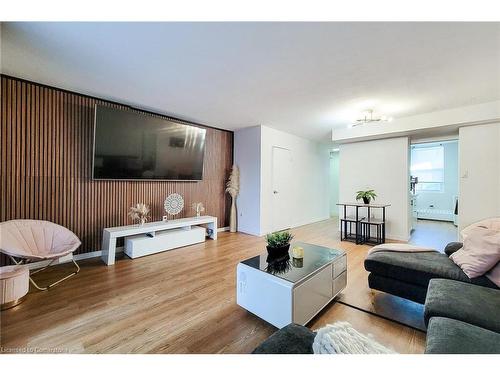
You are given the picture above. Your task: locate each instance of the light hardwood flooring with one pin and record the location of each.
(180, 301)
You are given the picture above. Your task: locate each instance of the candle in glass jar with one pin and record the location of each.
(298, 252)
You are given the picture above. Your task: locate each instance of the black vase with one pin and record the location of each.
(277, 251)
(366, 200)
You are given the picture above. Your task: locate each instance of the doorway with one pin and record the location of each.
(334, 182)
(434, 193)
(282, 180)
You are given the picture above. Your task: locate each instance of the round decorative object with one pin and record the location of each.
(174, 204)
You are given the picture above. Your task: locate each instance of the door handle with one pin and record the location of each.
(275, 192)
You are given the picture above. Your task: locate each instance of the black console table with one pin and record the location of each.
(363, 224)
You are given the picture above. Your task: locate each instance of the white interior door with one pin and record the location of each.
(282, 170)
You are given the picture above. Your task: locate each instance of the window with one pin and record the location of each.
(427, 163)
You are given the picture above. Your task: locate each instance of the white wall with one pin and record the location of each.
(334, 183)
(247, 157)
(253, 155)
(443, 200)
(479, 164)
(381, 165)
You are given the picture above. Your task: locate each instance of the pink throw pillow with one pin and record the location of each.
(480, 253)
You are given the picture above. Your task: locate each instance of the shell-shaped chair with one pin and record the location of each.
(37, 240)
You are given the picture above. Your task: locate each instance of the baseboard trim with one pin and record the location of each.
(89, 255)
(309, 222)
(295, 225)
(397, 238)
(68, 258)
(249, 233)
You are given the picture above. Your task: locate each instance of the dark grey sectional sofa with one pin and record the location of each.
(460, 318)
(292, 339)
(407, 275)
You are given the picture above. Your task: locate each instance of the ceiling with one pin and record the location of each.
(304, 78)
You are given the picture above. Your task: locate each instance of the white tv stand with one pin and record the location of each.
(111, 234)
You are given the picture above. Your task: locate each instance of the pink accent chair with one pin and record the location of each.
(27, 241)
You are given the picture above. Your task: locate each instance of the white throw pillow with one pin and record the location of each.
(480, 253)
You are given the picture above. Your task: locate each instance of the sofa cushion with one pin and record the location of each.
(449, 336)
(292, 339)
(419, 268)
(468, 303)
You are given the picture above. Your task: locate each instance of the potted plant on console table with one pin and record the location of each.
(278, 243)
(367, 196)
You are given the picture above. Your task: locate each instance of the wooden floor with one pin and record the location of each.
(180, 301)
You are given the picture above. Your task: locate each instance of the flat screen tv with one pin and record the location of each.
(132, 146)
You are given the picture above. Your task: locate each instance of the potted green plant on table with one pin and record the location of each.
(366, 196)
(278, 243)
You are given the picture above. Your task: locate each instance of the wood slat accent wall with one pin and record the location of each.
(46, 168)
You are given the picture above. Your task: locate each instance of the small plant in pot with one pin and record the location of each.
(367, 196)
(278, 243)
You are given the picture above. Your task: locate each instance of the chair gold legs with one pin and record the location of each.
(58, 281)
(44, 268)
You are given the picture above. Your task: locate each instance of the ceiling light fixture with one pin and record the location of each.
(369, 118)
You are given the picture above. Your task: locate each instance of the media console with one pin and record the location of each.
(157, 236)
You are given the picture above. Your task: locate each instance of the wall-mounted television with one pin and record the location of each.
(129, 145)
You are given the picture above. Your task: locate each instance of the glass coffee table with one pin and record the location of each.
(286, 290)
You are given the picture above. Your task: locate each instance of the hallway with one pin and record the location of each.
(434, 234)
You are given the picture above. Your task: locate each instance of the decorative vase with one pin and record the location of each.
(277, 251)
(233, 216)
(233, 188)
(198, 208)
(366, 200)
(143, 220)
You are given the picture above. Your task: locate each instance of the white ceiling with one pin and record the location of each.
(304, 78)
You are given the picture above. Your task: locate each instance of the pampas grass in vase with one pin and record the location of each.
(198, 208)
(233, 189)
(139, 212)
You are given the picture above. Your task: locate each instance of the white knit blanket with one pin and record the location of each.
(341, 338)
(401, 248)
